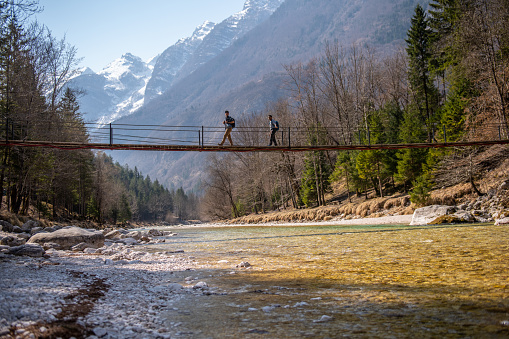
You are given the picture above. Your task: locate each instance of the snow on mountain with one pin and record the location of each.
(116, 91)
(227, 32)
(173, 58)
(128, 83)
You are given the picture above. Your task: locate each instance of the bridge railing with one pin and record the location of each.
(289, 136)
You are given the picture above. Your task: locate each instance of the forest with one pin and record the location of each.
(448, 82)
(35, 101)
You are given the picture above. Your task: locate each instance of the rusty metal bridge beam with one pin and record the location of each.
(203, 148)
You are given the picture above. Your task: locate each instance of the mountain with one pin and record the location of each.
(237, 64)
(128, 83)
(116, 91)
(171, 61)
(250, 72)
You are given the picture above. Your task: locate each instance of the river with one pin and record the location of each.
(343, 281)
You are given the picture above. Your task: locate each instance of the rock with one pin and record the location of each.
(128, 241)
(244, 264)
(51, 245)
(134, 234)
(16, 229)
(155, 233)
(36, 230)
(31, 250)
(174, 287)
(79, 247)
(68, 237)
(27, 227)
(6, 226)
(113, 235)
(425, 215)
(89, 250)
(504, 221)
(100, 332)
(460, 217)
(200, 285)
(301, 304)
(504, 185)
(323, 319)
(10, 239)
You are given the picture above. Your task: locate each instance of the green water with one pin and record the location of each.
(342, 281)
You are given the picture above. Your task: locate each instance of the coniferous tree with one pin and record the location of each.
(419, 50)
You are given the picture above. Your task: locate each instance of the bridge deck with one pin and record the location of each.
(206, 148)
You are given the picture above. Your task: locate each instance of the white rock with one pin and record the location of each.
(425, 215)
(201, 285)
(300, 304)
(504, 221)
(323, 319)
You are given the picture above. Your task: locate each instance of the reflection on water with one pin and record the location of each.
(334, 281)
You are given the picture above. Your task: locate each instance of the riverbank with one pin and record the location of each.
(424, 281)
(383, 220)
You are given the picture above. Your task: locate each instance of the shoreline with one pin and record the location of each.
(376, 221)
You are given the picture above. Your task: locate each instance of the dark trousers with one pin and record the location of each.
(273, 137)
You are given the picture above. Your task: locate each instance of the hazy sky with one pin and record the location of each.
(104, 30)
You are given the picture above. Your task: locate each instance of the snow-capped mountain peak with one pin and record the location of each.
(128, 82)
(128, 63)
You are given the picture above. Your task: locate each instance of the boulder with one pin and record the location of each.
(128, 241)
(31, 250)
(113, 235)
(6, 226)
(16, 229)
(27, 227)
(36, 230)
(134, 234)
(425, 215)
(69, 237)
(460, 217)
(155, 233)
(79, 247)
(504, 221)
(10, 239)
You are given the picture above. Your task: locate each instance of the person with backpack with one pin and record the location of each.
(229, 124)
(274, 127)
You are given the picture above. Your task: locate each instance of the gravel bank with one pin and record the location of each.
(119, 293)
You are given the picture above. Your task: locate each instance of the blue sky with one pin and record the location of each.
(104, 30)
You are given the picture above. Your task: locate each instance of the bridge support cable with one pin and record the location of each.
(246, 139)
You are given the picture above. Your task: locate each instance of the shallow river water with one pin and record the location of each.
(343, 281)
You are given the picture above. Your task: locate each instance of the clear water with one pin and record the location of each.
(343, 281)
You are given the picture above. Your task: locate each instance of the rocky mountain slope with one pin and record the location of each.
(250, 72)
(128, 83)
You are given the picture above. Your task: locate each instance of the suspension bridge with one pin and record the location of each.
(246, 139)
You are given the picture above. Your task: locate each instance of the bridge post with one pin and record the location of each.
(199, 138)
(289, 139)
(499, 132)
(202, 137)
(111, 135)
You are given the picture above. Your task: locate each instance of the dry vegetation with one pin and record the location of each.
(492, 168)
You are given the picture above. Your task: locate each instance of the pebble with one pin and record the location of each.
(323, 319)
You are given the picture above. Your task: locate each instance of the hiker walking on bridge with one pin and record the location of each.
(229, 124)
(274, 127)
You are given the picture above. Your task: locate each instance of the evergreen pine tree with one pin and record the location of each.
(419, 50)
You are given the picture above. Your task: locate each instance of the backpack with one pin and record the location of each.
(230, 121)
